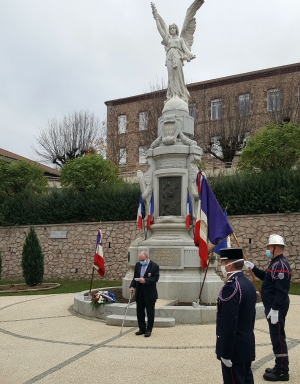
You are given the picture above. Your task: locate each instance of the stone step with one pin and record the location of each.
(131, 321)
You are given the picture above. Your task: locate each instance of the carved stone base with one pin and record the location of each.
(176, 104)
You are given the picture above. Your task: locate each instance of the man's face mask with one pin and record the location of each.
(223, 267)
(143, 262)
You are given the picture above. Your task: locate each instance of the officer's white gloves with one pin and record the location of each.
(274, 316)
(227, 362)
(248, 264)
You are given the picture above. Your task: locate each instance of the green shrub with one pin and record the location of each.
(258, 192)
(32, 259)
(108, 203)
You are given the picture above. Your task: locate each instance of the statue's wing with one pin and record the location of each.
(189, 24)
(160, 19)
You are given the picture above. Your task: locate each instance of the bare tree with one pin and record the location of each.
(151, 107)
(229, 127)
(75, 135)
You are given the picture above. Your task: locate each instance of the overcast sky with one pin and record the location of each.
(59, 56)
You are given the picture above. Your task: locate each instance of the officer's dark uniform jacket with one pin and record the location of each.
(276, 284)
(235, 320)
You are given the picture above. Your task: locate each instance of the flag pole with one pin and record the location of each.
(245, 258)
(144, 228)
(202, 285)
(92, 280)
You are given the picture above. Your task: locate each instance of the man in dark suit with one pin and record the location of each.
(235, 320)
(146, 275)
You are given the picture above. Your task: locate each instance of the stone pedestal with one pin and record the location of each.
(173, 160)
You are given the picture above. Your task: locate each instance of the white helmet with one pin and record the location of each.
(276, 240)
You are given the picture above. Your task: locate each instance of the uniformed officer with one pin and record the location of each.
(235, 320)
(275, 287)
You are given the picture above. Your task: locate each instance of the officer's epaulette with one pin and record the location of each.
(230, 280)
(237, 288)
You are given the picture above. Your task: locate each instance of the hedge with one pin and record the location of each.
(109, 203)
(248, 193)
(244, 193)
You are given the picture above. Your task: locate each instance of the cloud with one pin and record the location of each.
(59, 56)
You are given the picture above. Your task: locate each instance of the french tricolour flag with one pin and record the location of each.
(212, 225)
(150, 218)
(189, 211)
(139, 218)
(224, 243)
(98, 257)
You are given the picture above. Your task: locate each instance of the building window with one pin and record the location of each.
(216, 146)
(142, 154)
(122, 121)
(216, 109)
(273, 100)
(143, 121)
(122, 157)
(244, 104)
(192, 110)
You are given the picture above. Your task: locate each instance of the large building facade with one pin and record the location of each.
(226, 110)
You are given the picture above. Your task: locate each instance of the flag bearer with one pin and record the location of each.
(275, 288)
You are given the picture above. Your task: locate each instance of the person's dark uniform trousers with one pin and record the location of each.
(235, 320)
(275, 287)
(146, 275)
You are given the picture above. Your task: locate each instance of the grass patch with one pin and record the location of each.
(295, 289)
(66, 286)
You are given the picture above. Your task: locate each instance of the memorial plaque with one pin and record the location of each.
(58, 234)
(170, 196)
(169, 129)
(170, 257)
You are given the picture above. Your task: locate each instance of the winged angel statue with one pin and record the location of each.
(178, 49)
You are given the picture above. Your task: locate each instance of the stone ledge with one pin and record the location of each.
(131, 321)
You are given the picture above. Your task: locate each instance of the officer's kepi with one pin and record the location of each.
(231, 253)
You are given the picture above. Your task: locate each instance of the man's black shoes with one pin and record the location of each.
(269, 370)
(274, 376)
(147, 334)
(139, 332)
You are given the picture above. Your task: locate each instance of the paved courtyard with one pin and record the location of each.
(43, 341)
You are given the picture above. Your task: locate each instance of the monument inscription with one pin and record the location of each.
(170, 257)
(169, 129)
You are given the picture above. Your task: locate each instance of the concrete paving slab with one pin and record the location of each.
(42, 341)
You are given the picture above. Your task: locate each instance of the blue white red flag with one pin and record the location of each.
(189, 211)
(139, 218)
(98, 257)
(211, 225)
(150, 218)
(224, 243)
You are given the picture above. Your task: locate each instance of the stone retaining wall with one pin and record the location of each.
(72, 257)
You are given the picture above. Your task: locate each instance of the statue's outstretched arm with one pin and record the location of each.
(161, 25)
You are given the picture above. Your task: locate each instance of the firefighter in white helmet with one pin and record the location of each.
(274, 291)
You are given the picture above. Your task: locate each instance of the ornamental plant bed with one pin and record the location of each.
(14, 288)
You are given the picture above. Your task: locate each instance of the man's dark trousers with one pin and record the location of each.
(277, 335)
(140, 311)
(237, 374)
